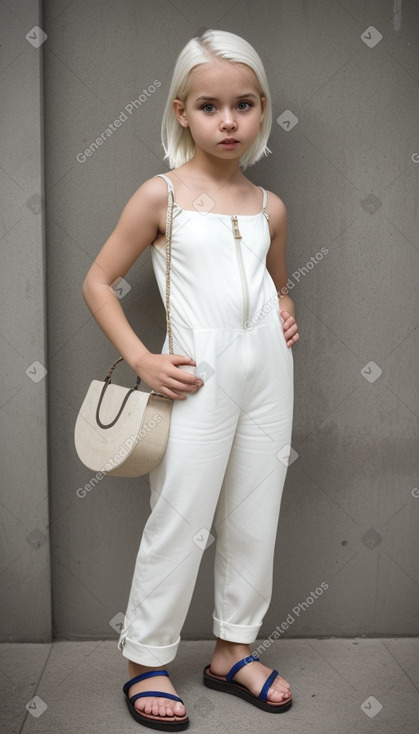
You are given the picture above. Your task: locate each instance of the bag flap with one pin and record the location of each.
(100, 447)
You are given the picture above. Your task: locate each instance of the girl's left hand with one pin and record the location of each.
(290, 328)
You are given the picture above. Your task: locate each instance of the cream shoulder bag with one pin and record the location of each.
(123, 431)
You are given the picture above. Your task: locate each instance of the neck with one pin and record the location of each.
(204, 166)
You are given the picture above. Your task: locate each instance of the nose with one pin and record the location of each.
(227, 121)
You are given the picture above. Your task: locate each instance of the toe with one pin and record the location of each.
(143, 705)
(279, 691)
(276, 696)
(179, 709)
(281, 685)
(160, 707)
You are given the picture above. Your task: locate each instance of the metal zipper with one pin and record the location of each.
(238, 237)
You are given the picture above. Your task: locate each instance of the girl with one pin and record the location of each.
(231, 377)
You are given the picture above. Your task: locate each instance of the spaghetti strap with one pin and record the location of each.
(168, 181)
(264, 202)
(265, 197)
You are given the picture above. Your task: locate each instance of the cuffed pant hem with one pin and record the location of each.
(235, 632)
(148, 655)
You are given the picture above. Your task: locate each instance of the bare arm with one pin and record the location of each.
(276, 265)
(137, 228)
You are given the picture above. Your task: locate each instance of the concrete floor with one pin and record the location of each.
(344, 686)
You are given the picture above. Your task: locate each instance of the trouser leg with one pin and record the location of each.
(248, 509)
(184, 492)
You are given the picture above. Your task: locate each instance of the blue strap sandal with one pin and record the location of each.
(226, 684)
(163, 723)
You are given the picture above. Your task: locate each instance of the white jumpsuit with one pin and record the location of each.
(225, 463)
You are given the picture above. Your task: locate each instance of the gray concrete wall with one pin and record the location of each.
(25, 599)
(347, 171)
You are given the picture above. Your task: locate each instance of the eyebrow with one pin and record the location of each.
(215, 99)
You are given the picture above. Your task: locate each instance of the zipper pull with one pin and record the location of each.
(236, 230)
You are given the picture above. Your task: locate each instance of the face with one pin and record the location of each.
(224, 108)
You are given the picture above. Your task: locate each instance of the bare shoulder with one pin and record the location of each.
(152, 193)
(147, 206)
(277, 215)
(276, 209)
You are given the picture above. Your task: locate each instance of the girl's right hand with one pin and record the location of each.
(162, 373)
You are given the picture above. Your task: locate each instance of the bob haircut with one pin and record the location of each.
(177, 141)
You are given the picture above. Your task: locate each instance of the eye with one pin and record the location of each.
(208, 107)
(245, 103)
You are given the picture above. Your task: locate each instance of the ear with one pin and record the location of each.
(180, 112)
(263, 104)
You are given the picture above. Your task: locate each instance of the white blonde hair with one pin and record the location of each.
(177, 141)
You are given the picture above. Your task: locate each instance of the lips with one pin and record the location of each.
(228, 140)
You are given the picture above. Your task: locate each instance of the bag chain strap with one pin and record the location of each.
(169, 222)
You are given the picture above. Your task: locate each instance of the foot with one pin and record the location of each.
(253, 676)
(152, 704)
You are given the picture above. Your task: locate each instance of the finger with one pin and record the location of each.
(291, 330)
(292, 341)
(289, 323)
(190, 380)
(290, 319)
(181, 359)
(172, 383)
(171, 394)
(177, 395)
(186, 374)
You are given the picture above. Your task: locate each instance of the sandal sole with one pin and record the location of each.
(160, 724)
(237, 689)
